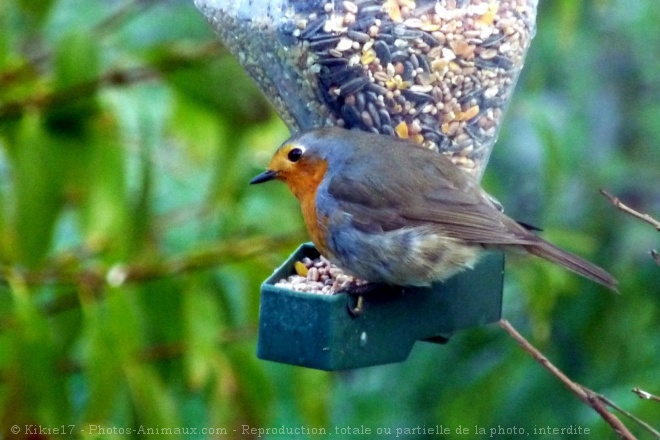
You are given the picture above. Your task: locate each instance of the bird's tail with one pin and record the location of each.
(552, 253)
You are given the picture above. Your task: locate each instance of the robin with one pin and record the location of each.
(392, 212)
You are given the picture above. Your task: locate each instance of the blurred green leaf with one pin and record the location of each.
(104, 211)
(215, 84)
(33, 366)
(253, 389)
(123, 323)
(568, 17)
(203, 328)
(154, 406)
(77, 66)
(199, 128)
(35, 11)
(102, 366)
(38, 178)
(6, 38)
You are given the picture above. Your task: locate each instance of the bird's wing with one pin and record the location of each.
(421, 189)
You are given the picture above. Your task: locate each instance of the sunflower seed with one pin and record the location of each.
(314, 27)
(399, 56)
(408, 71)
(339, 74)
(493, 40)
(370, 10)
(377, 89)
(323, 42)
(351, 116)
(373, 113)
(353, 85)
(360, 101)
(383, 52)
(360, 37)
(387, 129)
(416, 97)
(429, 39)
(384, 117)
(332, 62)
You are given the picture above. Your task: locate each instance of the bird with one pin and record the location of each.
(392, 212)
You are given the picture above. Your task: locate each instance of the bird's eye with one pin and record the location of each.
(295, 154)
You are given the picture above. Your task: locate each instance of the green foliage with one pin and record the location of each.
(132, 249)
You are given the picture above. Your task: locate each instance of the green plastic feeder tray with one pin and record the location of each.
(319, 331)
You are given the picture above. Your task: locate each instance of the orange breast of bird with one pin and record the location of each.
(304, 184)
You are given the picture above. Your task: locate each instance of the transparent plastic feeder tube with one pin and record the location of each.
(437, 72)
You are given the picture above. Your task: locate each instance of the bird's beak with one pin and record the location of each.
(264, 177)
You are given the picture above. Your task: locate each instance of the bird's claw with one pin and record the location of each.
(364, 290)
(358, 309)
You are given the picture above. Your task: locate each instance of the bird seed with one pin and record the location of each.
(447, 66)
(318, 276)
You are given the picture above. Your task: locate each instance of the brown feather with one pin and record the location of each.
(428, 189)
(411, 187)
(552, 253)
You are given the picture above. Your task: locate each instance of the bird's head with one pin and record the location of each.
(302, 161)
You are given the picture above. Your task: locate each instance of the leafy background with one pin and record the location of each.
(131, 248)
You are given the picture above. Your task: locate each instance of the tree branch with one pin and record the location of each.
(645, 395)
(122, 14)
(88, 284)
(622, 207)
(630, 415)
(120, 77)
(110, 23)
(587, 396)
(226, 252)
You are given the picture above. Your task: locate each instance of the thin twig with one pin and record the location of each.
(621, 206)
(22, 71)
(88, 284)
(585, 394)
(645, 395)
(105, 26)
(631, 416)
(229, 251)
(121, 77)
(122, 14)
(78, 91)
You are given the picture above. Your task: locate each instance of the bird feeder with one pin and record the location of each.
(321, 331)
(439, 73)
